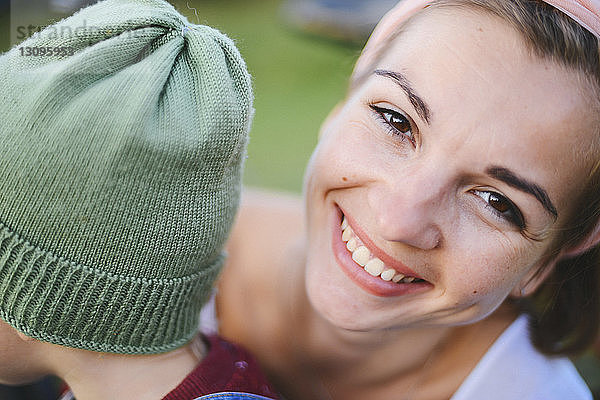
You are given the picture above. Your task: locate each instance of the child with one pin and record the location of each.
(123, 136)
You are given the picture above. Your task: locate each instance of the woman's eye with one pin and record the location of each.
(396, 122)
(502, 207)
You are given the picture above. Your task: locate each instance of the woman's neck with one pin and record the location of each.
(362, 357)
(336, 359)
(347, 364)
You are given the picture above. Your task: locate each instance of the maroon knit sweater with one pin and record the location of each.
(226, 368)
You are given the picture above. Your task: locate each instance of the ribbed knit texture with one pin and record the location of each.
(120, 173)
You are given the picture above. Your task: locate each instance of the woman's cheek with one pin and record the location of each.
(343, 156)
(489, 277)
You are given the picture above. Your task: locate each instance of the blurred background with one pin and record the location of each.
(299, 60)
(300, 54)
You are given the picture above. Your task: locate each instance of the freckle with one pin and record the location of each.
(344, 179)
(480, 29)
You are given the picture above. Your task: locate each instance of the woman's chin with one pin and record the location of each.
(342, 304)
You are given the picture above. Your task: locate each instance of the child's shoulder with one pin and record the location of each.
(227, 367)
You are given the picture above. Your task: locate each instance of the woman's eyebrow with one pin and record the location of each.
(510, 178)
(417, 102)
(503, 174)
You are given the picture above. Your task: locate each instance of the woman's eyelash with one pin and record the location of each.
(395, 122)
(502, 207)
(399, 125)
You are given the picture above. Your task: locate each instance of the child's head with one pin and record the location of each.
(123, 136)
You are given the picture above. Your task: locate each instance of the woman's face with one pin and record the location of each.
(453, 163)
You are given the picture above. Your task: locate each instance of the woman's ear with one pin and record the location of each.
(533, 279)
(590, 241)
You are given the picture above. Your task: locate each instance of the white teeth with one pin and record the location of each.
(388, 274)
(361, 256)
(352, 245)
(375, 267)
(347, 234)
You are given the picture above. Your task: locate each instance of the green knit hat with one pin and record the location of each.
(120, 174)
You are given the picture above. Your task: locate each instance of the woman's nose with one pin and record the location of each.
(408, 209)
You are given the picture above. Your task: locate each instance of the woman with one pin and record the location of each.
(451, 209)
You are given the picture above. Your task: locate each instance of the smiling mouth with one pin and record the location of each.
(363, 258)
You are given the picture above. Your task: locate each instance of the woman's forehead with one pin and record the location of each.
(452, 32)
(479, 77)
(485, 63)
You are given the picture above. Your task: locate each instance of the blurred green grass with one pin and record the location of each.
(297, 80)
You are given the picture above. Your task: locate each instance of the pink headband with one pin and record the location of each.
(585, 12)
